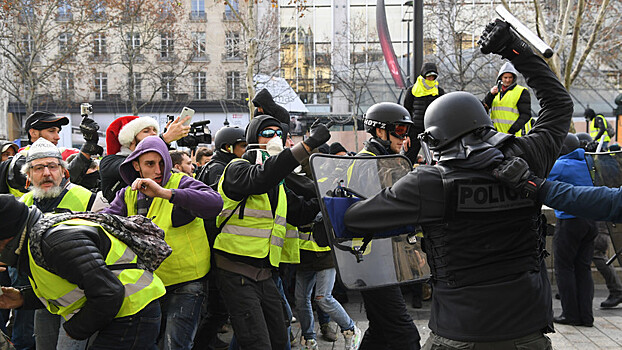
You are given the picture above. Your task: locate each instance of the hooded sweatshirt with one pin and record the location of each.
(571, 168)
(192, 198)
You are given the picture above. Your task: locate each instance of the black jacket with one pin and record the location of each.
(210, 173)
(417, 107)
(242, 179)
(77, 254)
(523, 105)
(112, 181)
(417, 199)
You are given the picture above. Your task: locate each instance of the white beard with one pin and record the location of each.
(53, 192)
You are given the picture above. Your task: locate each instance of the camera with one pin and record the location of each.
(199, 133)
(86, 109)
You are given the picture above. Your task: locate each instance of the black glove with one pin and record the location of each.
(89, 128)
(92, 148)
(500, 39)
(591, 146)
(319, 135)
(515, 173)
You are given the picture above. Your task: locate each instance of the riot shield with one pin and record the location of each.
(391, 257)
(606, 170)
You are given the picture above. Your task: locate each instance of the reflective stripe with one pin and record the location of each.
(305, 236)
(247, 231)
(69, 298)
(143, 282)
(127, 257)
(291, 234)
(506, 109)
(256, 213)
(279, 220)
(503, 121)
(277, 241)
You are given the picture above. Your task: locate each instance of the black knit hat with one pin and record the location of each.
(336, 147)
(14, 215)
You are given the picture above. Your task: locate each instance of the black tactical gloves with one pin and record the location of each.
(319, 135)
(500, 39)
(89, 128)
(515, 173)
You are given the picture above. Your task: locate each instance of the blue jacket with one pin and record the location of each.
(571, 168)
(596, 203)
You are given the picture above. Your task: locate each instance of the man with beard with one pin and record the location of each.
(51, 191)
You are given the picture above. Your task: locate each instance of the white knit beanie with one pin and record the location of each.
(131, 129)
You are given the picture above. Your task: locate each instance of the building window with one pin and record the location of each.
(99, 45)
(66, 84)
(101, 86)
(64, 11)
(28, 44)
(133, 41)
(198, 9)
(99, 10)
(233, 86)
(168, 86)
(200, 85)
(134, 84)
(64, 43)
(166, 45)
(229, 14)
(232, 45)
(198, 44)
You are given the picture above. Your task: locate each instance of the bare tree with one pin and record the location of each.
(461, 64)
(40, 39)
(573, 29)
(354, 66)
(153, 48)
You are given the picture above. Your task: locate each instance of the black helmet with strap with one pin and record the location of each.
(229, 135)
(386, 115)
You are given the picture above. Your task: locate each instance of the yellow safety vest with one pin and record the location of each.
(504, 111)
(307, 242)
(257, 234)
(594, 130)
(75, 199)
(190, 259)
(64, 298)
(424, 87)
(291, 245)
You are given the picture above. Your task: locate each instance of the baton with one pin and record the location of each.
(524, 32)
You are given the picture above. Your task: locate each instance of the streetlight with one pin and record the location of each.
(408, 17)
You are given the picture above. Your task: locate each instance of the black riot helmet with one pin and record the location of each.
(387, 115)
(452, 116)
(583, 136)
(571, 142)
(229, 135)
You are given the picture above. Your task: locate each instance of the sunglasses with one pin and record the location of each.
(400, 130)
(269, 133)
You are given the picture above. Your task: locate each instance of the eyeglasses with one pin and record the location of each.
(269, 133)
(38, 169)
(401, 130)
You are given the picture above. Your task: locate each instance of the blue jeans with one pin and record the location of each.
(139, 331)
(181, 312)
(323, 281)
(22, 335)
(50, 334)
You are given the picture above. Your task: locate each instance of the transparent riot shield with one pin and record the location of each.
(391, 257)
(606, 170)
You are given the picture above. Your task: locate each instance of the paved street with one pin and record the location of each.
(606, 333)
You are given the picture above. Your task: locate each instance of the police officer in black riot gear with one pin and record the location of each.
(390, 325)
(484, 242)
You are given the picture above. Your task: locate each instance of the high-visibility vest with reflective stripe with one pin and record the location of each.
(190, 259)
(424, 87)
(291, 245)
(75, 199)
(64, 298)
(351, 167)
(504, 111)
(307, 242)
(257, 234)
(525, 129)
(594, 130)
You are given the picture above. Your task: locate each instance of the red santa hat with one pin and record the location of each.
(122, 131)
